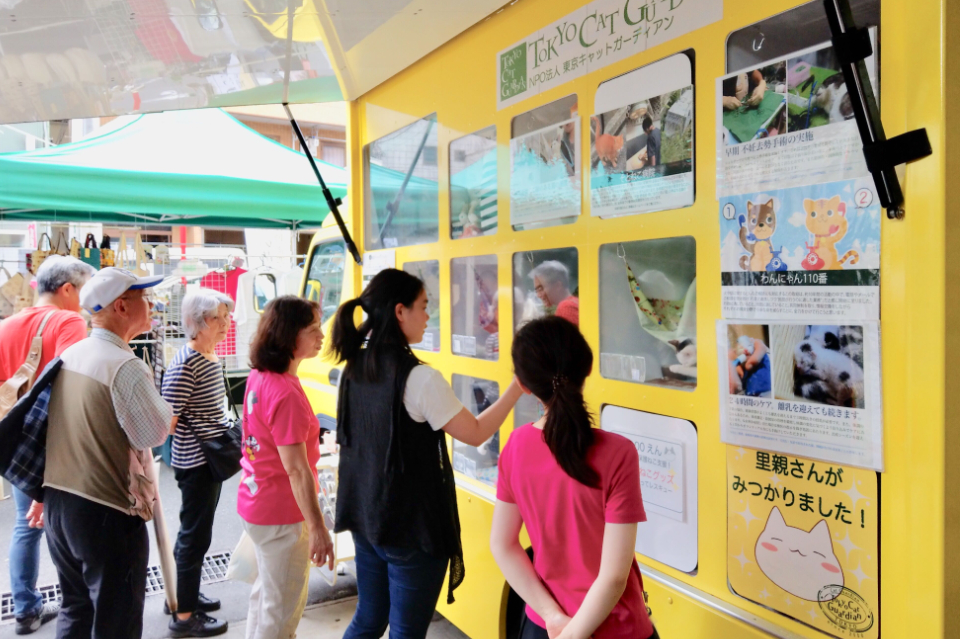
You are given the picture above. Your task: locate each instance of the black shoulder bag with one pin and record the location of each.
(223, 452)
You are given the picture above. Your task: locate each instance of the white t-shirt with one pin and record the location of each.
(429, 398)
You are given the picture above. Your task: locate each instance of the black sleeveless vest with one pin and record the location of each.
(396, 485)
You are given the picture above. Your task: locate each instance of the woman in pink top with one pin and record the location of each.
(277, 498)
(577, 489)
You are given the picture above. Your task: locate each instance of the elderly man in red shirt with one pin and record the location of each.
(59, 281)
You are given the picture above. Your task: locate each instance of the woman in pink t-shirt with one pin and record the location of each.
(577, 489)
(277, 498)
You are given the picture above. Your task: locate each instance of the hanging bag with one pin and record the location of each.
(6, 304)
(10, 290)
(14, 388)
(38, 256)
(90, 254)
(107, 255)
(74, 248)
(27, 296)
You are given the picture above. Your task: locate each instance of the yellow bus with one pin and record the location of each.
(655, 170)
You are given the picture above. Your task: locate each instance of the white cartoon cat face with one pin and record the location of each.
(800, 562)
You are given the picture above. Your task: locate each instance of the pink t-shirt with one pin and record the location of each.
(276, 413)
(565, 521)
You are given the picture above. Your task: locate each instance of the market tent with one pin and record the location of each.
(202, 168)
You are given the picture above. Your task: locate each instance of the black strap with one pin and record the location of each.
(898, 150)
(853, 46)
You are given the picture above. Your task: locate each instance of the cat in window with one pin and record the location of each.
(801, 562)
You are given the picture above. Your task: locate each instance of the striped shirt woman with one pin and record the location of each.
(193, 386)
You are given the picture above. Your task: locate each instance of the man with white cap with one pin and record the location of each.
(104, 416)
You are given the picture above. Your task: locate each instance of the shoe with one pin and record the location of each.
(29, 625)
(204, 603)
(199, 624)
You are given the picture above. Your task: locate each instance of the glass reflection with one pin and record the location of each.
(140, 56)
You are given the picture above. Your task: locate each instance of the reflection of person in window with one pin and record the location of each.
(489, 315)
(737, 88)
(551, 281)
(653, 141)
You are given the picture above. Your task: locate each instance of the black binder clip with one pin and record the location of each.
(852, 46)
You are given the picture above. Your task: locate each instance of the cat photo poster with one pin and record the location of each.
(641, 140)
(788, 122)
(803, 540)
(810, 251)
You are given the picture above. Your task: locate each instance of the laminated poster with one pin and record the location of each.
(803, 540)
(642, 142)
(809, 251)
(811, 390)
(788, 123)
(545, 174)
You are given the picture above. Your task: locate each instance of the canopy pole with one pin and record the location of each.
(332, 202)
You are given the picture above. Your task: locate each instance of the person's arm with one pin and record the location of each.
(515, 565)
(142, 412)
(179, 383)
(616, 560)
(474, 431)
(303, 483)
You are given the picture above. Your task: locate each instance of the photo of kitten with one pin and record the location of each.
(820, 363)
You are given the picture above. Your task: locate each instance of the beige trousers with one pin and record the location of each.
(279, 594)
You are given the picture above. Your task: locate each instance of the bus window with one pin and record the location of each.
(429, 272)
(325, 277)
(545, 166)
(546, 283)
(475, 312)
(648, 312)
(478, 462)
(401, 199)
(473, 184)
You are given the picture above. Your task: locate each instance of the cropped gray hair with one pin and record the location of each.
(58, 270)
(552, 272)
(198, 306)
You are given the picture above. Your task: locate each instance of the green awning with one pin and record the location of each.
(200, 168)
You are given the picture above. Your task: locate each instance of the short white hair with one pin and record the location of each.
(199, 306)
(552, 272)
(58, 270)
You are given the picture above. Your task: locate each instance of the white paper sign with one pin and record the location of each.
(590, 38)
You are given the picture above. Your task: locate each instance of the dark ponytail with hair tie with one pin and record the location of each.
(553, 360)
(381, 330)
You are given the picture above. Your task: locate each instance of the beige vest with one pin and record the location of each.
(88, 453)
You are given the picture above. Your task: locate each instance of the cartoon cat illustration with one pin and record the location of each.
(756, 229)
(608, 146)
(799, 561)
(827, 220)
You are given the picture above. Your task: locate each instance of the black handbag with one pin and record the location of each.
(224, 451)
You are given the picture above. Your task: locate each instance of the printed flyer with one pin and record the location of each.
(787, 123)
(803, 539)
(642, 156)
(812, 251)
(811, 390)
(545, 174)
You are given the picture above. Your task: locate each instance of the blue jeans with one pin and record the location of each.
(24, 561)
(398, 586)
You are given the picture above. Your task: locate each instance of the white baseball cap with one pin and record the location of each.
(110, 283)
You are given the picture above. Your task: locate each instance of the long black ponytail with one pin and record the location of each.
(380, 332)
(552, 359)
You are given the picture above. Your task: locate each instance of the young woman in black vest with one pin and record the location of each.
(396, 490)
